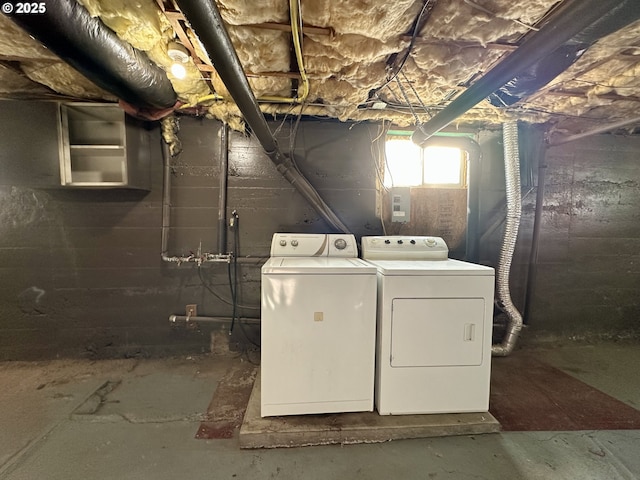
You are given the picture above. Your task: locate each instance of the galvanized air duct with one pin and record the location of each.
(572, 17)
(512, 223)
(474, 157)
(88, 45)
(204, 17)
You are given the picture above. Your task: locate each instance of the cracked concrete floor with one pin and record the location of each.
(53, 426)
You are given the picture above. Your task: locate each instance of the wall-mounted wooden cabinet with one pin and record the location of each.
(101, 147)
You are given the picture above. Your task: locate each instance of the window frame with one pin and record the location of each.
(406, 135)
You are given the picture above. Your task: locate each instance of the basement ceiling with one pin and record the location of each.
(400, 61)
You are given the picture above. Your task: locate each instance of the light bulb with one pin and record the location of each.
(178, 71)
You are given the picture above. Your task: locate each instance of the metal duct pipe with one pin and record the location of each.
(514, 211)
(204, 17)
(474, 157)
(572, 17)
(88, 45)
(222, 197)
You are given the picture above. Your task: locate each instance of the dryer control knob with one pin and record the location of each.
(387, 241)
(412, 242)
(431, 242)
(283, 243)
(400, 242)
(294, 243)
(340, 244)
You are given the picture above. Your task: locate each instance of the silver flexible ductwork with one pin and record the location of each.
(514, 211)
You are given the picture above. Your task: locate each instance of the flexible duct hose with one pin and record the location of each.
(514, 211)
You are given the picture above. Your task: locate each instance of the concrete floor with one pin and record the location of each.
(145, 428)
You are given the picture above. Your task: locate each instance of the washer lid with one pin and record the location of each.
(317, 266)
(429, 268)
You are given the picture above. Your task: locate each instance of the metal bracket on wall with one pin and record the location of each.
(191, 310)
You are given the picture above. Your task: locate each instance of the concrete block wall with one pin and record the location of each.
(588, 282)
(81, 273)
(80, 270)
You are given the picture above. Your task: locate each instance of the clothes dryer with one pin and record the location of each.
(434, 325)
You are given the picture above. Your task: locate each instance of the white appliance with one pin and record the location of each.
(435, 315)
(318, 326)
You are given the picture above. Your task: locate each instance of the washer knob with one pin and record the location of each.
(283, 243)
(431, 242)
(294, 243)
(387, 241)
(340, 244)
(412, 242)
(400, 242)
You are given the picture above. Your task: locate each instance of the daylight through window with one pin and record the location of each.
(408, 165)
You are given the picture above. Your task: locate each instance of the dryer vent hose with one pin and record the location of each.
(514, 211)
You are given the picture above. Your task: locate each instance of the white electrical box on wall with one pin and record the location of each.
(400, 204)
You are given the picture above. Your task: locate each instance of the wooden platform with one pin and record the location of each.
(348, 428)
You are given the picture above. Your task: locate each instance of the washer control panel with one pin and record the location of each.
(314, 245)
(400, 247)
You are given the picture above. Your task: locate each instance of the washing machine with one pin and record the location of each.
(318, 326)
(434, 323)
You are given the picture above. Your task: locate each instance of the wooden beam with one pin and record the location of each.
(579, 94)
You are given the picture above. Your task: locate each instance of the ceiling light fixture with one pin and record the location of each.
(180, 56)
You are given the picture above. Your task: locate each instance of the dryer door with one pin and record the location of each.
(434, 332)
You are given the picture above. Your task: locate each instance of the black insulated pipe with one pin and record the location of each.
(474, 169)
(547, 68)
(222, 196)
(88, 45)
(205, 19)
(572, 17)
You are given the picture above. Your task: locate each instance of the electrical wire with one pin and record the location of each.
(376, 162)
(232, 288)
(376, 156)
(292, 139)
(218, 296)
(406, 97)
(395, 97)
(414, 35)
(424, 107)
(233, 283)
(296, 33)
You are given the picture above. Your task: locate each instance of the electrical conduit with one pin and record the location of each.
(514, 211)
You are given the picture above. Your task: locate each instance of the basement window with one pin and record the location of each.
(408, 165)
